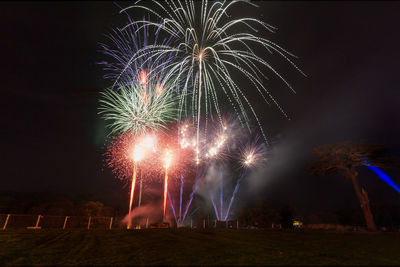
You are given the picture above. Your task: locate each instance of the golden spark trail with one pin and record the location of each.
(132, 194)
(137, 156)
(165, 189)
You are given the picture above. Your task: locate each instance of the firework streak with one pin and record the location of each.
(132, 195)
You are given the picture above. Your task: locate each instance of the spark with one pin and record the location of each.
(253, 155)
(249, 160)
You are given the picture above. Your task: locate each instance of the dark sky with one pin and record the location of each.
(52, 137)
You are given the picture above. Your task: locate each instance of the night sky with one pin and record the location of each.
(52, 138)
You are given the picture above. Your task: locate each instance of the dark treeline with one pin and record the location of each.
(53, 204)
(261, 214)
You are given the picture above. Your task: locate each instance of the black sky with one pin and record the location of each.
(52, 137)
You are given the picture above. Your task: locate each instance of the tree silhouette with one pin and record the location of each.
(344, 158)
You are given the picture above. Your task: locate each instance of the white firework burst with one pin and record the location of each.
(211, 52)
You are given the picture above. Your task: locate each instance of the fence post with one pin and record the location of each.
(111, 221)
(215, 223)
(147, 222)
(226, 224)
(65, 222)
(88, 225)
(5, 223)
(38, 220)
(237, 224)
(204, 223)
(191, 223)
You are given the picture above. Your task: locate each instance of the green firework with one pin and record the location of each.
(138, 107)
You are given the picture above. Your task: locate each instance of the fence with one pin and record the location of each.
(58, 222)
(12, 221)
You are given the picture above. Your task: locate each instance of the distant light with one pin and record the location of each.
(297, 223)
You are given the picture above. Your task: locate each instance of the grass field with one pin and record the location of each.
(196, 247)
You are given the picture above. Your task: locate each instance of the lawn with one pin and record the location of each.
(196, 247)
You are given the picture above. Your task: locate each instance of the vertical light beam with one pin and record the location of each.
(233, 196)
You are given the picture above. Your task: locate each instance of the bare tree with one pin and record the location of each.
(344, 158)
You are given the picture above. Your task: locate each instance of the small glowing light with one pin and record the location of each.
(249, 160)
(213, 151)
(221, 141)
(297, 223)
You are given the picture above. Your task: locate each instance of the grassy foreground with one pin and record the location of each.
(196, 247)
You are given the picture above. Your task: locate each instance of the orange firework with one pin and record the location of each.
(130, 155)
(132, 194)
(137, 156)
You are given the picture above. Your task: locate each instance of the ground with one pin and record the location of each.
(196, 247)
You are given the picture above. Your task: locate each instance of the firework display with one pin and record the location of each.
(129, 42)
(136, 109)
(164, 105)
(211, 51)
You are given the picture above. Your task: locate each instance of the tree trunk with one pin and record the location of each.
(364, 202)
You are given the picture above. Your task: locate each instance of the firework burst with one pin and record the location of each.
(210, 52)
(122, 45)
(137, 110)
(253, 155)
(143, 97)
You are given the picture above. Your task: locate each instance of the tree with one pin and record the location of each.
(92, 208)
(287, 214)
(244, 216)
(263, 214)
(344, 158)
(260, 215)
